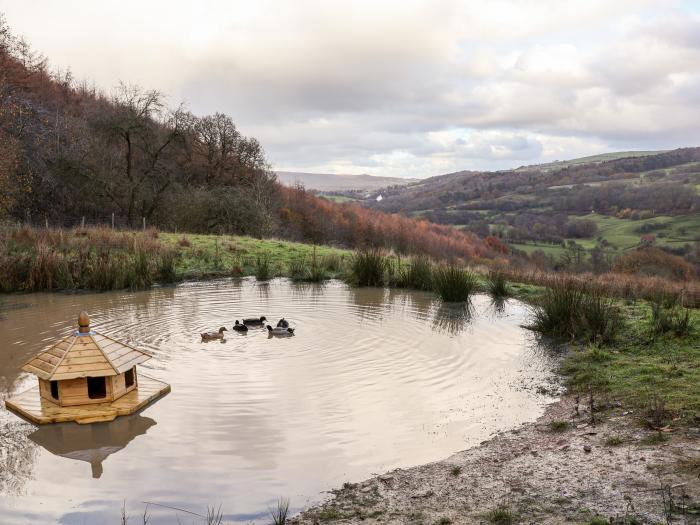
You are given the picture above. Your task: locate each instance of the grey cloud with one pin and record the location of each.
(412, 87)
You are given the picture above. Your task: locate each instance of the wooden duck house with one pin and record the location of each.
(86, 377)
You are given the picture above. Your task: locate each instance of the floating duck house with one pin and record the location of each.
(86, 377)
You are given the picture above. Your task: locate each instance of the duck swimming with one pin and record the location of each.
(238, 327)
(280, 331)
(255, 322)
(210, 336)
(283, 323)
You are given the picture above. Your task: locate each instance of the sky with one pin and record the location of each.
(398, 88)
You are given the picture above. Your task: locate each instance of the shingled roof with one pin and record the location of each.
(83, 354)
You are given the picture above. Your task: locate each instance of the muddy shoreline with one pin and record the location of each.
(559, 469)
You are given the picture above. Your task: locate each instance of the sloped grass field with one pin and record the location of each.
(202, 255)
(624, 234)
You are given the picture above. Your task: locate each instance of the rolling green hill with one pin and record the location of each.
(614, 202)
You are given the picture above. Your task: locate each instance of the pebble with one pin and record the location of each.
(587, 448)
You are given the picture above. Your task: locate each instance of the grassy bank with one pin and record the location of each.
(212, 255)
(644, 355)
(37, 259)
(651, 369)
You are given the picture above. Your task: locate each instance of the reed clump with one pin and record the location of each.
(669, 316)
(573, 310)
(453, 283)
(308, 270)
(367, 267)
(497, 284)
(262, 266)
(416, 275)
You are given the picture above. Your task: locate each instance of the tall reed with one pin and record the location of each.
(497, 284)
(669, 317)
(573, 310)
(453, 283)
(417, 275)
(263, 267)
(367, 267)
(302, 269)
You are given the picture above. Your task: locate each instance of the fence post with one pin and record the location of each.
(46, 222)
(82, 223)
(144, 223)
(112, 220)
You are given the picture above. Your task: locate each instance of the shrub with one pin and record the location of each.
(453, 284)
(655, 262)
(367, 267)
(184, 242)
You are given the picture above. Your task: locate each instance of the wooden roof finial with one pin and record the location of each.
(84, 323)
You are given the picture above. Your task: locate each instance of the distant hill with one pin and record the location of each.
(333, 182)
(592, 159)
(611, 203)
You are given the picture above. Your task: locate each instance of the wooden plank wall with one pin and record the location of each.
(74, 392)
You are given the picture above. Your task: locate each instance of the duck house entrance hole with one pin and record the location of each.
(96, 387)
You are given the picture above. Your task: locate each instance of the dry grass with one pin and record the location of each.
(617, 284)
(33, 259)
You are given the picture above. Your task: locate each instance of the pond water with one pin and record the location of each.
(372, 380)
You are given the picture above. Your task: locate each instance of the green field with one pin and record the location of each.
(212, 254)
(623, 234)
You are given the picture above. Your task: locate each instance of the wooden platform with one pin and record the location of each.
(30, 405)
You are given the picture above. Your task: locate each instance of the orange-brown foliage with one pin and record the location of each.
(655, 262)
(310, 218)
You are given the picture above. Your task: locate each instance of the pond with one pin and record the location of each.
(372, 380)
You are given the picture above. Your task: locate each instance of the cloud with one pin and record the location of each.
(401, 87)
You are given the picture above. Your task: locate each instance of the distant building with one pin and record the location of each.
(380, 198)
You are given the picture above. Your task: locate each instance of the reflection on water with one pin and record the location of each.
(91, 443)
(372, 380)
(453, 318)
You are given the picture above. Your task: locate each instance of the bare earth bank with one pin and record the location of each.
(539, 473)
